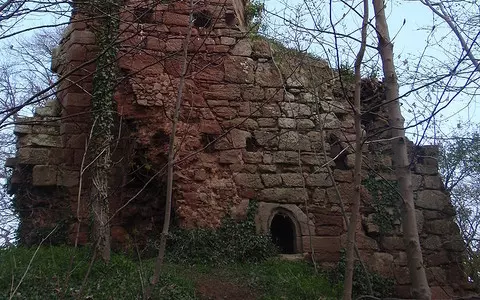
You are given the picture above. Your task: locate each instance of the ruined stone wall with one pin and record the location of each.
(257, 122)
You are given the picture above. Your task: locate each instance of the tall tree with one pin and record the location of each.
(420, 288)
(104, 81)
(347, 292)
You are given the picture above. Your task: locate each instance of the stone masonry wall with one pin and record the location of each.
(257, 122)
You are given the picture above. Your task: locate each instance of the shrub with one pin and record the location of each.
(233, 241)
(381, 287)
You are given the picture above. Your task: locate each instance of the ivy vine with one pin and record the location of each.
(385, 202)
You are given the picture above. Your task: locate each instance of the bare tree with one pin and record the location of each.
(357, 107)
(416, 266)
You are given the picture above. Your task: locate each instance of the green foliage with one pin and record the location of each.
(279, 279)
(47, 276)
(381, 287)
(122, 278)
(346, 73)
(385, 202)
(233, 241)
(253, 15)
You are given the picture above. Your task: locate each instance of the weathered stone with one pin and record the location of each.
(285, 157)
(329, 121)
(319, 196)
(454, 243)
(343, 175)
(267, 168)
(239, 137)
(392, 243)
(431, 242)
(261, 48)
(426, 170)
(371, 228)
(253, 94)
(293, 180)
(295, 110)
(382, 263)
(283, 195)
(305, 124)
(68, 178)
(439, 227)
(239, 69)
(292, 140)
(327, 249)
(266, 138)
(51, 109)
(318, 180)
(271, 180)
(40, 140)
(437, 259)
(270, 110)
(222, 92)
(267, 75)
(249, 180)
(11, 162)
(402, 276)
(32, 156)
(243, 47)
(230, 157)
(267, 122)
(288, 123)
(227, 41)
(44, 175)
(433, 182)
(252, 157)
(431, 199)
(334, 106)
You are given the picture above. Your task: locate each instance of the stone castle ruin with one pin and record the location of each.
(258, 123)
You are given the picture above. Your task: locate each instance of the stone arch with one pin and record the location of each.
(301, 224)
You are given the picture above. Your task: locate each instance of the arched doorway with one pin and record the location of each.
(283, 233)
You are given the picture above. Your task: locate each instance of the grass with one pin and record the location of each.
(51, 277)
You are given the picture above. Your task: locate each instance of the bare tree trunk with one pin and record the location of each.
(170, 168)
(420, 288)
(104, 81)
(350, 260)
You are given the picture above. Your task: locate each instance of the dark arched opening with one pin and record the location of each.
(282, 230)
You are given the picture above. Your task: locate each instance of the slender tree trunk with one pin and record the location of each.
(420, 288)
(170, 168)
(104, 81)
(347, 290)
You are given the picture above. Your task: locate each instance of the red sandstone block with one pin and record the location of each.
(170, 18)
(210, 127)
(212, 73)
(76, 141)
(75, 112)
(183, 30)
(68, 155)
(73, 128)
(76, 99)
(82, 37)
(327, 249)
(218, 48)
(181, 7)
(156, 44)
(43, 175)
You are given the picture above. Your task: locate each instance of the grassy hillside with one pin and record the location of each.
(63, 273)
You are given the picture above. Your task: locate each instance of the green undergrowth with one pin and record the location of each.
(51, 277)
(233, 242)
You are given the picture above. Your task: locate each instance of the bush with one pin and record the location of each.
(234, 241)
(381, 287)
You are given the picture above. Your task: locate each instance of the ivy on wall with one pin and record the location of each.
(385, 202)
